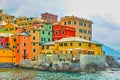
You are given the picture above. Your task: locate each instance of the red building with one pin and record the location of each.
(4, 38)
(51, 18)
(60, 31)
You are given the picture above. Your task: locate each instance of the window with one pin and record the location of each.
(79, 44)
(42, 47)
(17, 51)
(89, 25)
(84, 37)
(33, 44)
(85, 31)
(97, 45)
(1, 43)
(24, 38)
(74, 22)
(60, 44)
(33, 31)
(80, 30)
(89, 32)
(81, 23)
(48, 33)
(48, 39)
(63, 32)
(42, 39)
(7, 44)
(47, 47)
(84, 24)
(71, 44)
(65, 44)
(34, 50)
(64, 23)
(34, 37)
(24, 54)
(69, 22)
(56, 32)
(24, 43)
(80, 36)
(89, 45)
(42, 32)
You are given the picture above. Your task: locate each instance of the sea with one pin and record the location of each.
(29, 74)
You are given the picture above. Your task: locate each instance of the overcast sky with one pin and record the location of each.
(105, 14)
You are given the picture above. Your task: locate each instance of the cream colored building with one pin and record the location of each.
(83, 26)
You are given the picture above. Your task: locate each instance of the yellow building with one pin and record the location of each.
(7, 55)
(49, 48)
(35, 41)
(76, 46)
(8, 18)
(10, 27)
(83, 26)
(24, 21)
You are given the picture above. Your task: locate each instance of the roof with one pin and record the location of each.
(23, 34)
(1, 47)
(39, 19)
(6, 34)
(49, 43)
(74, 39)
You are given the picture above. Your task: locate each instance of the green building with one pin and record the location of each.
(46, 33)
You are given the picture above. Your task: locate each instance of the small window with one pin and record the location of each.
(48, 33)
(33, 31)
(47, 47)
(24, 38)
(64, 23)
(63, 32)
(85, 31)
(81, 23)
(80, 36)
(89, 38)
(71, 44)
(74, 22)
(33, 44)
(89, 32)
(84, 37)
(34, 50)
(56, 32)
(24, 43)
(89, 45)
(79, 44)
(42, 47)
(80, 30)
(84, 24)
(65, 44)
(34, 37)
(49, 27)
(69, 22)
(89, 25)
(48, 39)
(42, 32)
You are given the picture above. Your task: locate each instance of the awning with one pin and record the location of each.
(70, 49)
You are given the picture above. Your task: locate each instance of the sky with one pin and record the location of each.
(105, 14)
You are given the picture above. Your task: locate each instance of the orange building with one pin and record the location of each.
(23, 46)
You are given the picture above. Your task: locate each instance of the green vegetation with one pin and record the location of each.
(4, 31)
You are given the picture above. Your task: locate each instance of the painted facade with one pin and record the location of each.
(51, 18)
(46, 33)
(24, 21)
(23, 46)
(76, 46)
(60, 31)
(83, 26)
(35, 43)
(6, 55)
(10, 27)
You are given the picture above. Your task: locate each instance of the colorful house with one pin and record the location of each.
(83, 26)
(6, 55)
(60, 31)
(4, 39)
(23, 46)
(51, 18)
(45, 33)
(76, 46)
(10, 27)
(24, 21)
(35, 43)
